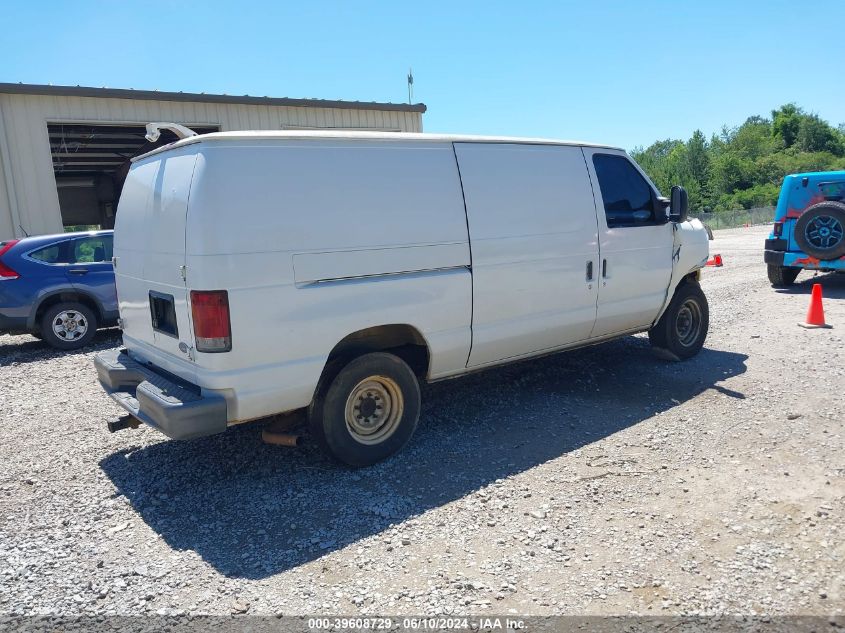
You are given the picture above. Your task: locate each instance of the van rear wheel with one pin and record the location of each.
(369, 410)
(683, 327)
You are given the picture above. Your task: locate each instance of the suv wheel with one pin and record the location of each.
(68, 326)
(782, 276)
(369, 410)
(683, 327)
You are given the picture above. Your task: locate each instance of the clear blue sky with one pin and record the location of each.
(625, 73)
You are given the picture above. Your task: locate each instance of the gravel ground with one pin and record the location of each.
(600, 481)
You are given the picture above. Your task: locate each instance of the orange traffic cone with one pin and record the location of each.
(716, 261)
(815, 314)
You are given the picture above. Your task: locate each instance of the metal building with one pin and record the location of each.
(65, 150)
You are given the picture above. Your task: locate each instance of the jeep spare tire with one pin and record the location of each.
(820, 231)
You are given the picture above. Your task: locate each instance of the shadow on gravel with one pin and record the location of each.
(833, 285)
(252, 510)
(32, 350)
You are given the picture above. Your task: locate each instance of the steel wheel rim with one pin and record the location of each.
(373, 409)
(688, 323)
(70, 325)
(824, 232)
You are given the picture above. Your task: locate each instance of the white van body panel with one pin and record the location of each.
(690, 253)
(533, 232)
(315, 241)
(481, 245)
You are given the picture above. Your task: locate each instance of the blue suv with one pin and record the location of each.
(59, 288)
(809, 228)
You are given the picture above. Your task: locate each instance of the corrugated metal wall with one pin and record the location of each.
(28, 197)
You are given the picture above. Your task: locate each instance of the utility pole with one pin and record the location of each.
(410, 85)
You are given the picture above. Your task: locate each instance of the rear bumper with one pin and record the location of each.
(773, 258)
(180, 410)
(794, 259)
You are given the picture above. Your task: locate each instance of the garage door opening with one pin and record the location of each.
(90, 162)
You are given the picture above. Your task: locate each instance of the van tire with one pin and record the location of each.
(683, 327)
(82, 317)
(782, 276)
(825, 216)
(381, 387)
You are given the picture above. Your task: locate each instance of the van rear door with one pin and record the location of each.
(150, 253)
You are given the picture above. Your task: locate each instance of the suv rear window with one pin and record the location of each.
(49, 254)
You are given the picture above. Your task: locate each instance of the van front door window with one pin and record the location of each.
(627, 196)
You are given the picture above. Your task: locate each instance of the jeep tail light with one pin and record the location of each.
(778, 229)
(212, 329)
(6, 272)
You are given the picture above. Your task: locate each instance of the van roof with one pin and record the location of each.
(256, 135)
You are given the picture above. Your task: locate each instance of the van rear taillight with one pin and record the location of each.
(212, 328)
(6, 272)
(777, 229)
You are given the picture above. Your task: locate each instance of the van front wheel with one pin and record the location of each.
(369, 411)
(683, 327)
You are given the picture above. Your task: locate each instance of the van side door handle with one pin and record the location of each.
(589, 271)
(78, 271)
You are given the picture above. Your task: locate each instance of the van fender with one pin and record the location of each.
(690, 250)
(48, 293)
(393, 337)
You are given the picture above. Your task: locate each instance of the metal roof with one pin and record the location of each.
(155, 95)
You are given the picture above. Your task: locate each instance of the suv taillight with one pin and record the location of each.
(212, 329)
(777, 229)
(5, 271)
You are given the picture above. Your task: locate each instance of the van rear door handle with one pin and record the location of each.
(589, 271)
(604, 268)
(78, 271)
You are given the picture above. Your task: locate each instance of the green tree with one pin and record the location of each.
(786, 121)
(815, 135)
(698, 168)
(743, 167)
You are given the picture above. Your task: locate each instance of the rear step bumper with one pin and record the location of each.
(180, 411)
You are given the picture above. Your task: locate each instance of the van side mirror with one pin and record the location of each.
(679, 204)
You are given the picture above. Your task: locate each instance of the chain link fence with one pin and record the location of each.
(733, 219)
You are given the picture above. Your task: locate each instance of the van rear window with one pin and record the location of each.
(163, 314)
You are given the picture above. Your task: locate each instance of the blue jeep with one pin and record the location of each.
(59, 288)
(809, 228)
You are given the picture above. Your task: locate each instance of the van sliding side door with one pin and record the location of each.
(635, 243)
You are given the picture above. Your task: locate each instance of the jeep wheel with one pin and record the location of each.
(68, 326)
(683, 327)
(820, 231)
(782, 276)
(369, 410)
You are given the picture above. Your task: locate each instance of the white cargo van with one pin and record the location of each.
(264, 272)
